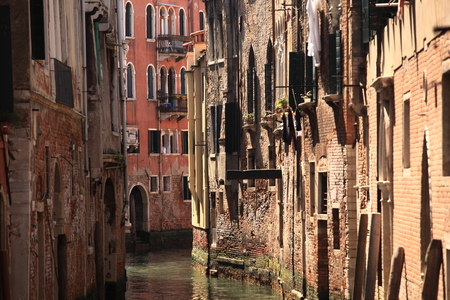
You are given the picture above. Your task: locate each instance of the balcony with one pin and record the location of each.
(171, 47)
(173, 106)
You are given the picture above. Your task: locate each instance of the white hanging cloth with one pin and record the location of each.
(314, 45)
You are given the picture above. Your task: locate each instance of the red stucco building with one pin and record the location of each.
(156, 58)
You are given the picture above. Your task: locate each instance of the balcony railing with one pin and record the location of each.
(173, 103)
(172, 44)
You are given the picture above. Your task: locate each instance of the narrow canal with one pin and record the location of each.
(167, 274)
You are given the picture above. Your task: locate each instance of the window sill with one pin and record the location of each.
(153, 100)
(150, 40)
(322, 217)
(131, 99)
(130, 37)
(406, 172)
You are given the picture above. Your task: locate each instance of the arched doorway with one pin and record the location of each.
(137, 217)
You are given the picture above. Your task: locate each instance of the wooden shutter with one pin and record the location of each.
(365, 21)
(296, 78)
(335, 59)
(268, 84)
(231, 127)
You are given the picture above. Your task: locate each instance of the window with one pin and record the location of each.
(231, 127)
(171, 22)
(165, 143)
(163, 20)
(6, 81)
(302, 77)
(186, 192)
(268, 80)
(63, 81)
(336, 234)
(37, 29)
(153, 181)
(446, 124)
(154, 140)
(251, 83)
(406, 133)
(202, 20)
(323, 193)
(128, 20)
(271, 164)
(163, 75)
(166, 183)
(130, 81)
(182, 22)
(216, 120)
(183, 81)
(211, 39)
(184, 142)
(133, 140)
(171, 82)
(219, 41)
(312, 188)
(335, 59)
(150, 22)
(150, 83)
(174, 143)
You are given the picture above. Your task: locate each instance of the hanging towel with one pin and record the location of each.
(314, 45)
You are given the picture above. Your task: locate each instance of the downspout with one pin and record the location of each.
(85, 108)
(119, 8)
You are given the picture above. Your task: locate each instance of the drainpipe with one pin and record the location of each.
(119, 7)
(85, 108)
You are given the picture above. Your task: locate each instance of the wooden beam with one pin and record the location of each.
(396, 273)
(433, 260)
(253, 174)
(360, 268)
(374, 253)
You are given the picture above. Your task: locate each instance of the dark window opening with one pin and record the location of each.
(154, 141)
(323, 193)
(186, 192)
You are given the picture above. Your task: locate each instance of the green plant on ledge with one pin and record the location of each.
(249, 118)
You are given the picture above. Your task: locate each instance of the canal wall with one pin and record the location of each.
(146, 241)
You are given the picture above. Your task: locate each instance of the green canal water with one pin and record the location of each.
(167, 274)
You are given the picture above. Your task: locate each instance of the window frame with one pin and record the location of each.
(129, 20)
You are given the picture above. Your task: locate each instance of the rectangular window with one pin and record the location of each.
(6, 81)
(271, 165)
(186, 192)
(220, 202)
(133, 140)
(166, 183)
(37, 29)
(231, 127)
(323, 193)
(296, 77)
(446, 124)
(173, 142)
(312, 188)
(336, 234)
(184, 142)
(406, 133)
(334, 52)
(216, 120)
(154, 141)
(212, 40)
(154, 188)
(219, 37)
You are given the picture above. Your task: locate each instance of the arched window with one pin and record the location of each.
(163, 20)
(171, 81)
(182, 23)
(251, 82)
(171, 22)
(150, 83)
(150, 22)
(202, 21)
(183, 82)
(128, 20)
(130, 81)
(163, 75)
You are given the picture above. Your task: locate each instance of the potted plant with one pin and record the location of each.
(307, 97)
(249, 118)
(268, 115)
(283, 102)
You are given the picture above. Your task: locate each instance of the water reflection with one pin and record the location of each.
(168, 274)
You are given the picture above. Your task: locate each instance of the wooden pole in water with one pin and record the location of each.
(433, 265)
(360, 267)
(396, 273)
(374, 253)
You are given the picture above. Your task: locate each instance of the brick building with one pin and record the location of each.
(156, 61)
(62, 215)
(287, 200)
